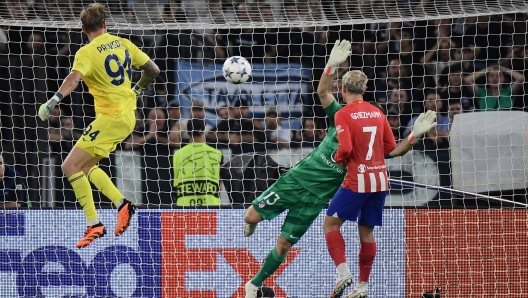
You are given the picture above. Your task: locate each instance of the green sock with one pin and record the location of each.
(271, 264)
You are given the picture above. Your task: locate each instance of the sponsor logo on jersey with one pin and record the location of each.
(362, 168)
(365, 115)
(19, 186)
(339, 129)
(331, 163)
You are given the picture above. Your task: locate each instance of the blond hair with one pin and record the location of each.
(355, 81)
(93, 16)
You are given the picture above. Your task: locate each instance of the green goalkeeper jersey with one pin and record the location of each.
(318, 172)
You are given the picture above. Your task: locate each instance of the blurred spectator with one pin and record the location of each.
(239, 134)
(309, 136)
(173, 114)
(453, 90)
(276, 136)
(138, 134)
(409, 57)
(455, 108)
(197, 169)
(394, 122)
(148, 11)
(296, 45)
(13, 188)
(255, 44)
(443, 28)
(214, 43)
(399, 104)
(35, 70)
(438, 57)
(18, 10)
(468, 60)
(486, 36)
(197, 111)
(496, 94)
(397, 78)
(69, 135)
(246, 114)
(155, 140)
(223, 113)
(438, 135)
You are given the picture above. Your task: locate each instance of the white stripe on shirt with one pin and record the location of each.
(372, 178)
(383, 181)
(361, 183)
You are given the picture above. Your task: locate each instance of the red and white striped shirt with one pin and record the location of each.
(364, 138)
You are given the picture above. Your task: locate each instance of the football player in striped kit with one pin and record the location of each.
(365, 140)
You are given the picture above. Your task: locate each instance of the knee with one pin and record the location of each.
(283, 246)
(331, 225)
(252, 216)
(68, 168)
(366, 234)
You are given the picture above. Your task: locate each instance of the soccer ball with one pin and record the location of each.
(236, 70)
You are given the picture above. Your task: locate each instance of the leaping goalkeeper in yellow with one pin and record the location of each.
(105, 65)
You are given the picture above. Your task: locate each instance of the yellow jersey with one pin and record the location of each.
(197, 175)
(106, 65)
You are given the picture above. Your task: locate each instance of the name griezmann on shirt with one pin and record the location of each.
(363, 115)
(111, 45)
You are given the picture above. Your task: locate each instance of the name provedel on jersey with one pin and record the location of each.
(111, 45)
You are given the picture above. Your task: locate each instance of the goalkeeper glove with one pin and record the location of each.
(46, 108)
(138, 89)
(339, 54)
(424, 123)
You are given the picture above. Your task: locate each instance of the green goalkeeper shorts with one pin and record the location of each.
(286, 194)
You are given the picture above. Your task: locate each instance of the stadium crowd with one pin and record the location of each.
(452, 66)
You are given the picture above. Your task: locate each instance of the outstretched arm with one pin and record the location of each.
(150, 72)
(424, 123)
(70, 83)
(339, 54)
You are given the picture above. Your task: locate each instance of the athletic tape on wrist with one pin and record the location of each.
(330, 70)
(59, 95)
(411, 139)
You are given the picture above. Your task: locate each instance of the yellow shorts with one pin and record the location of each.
(101, 137)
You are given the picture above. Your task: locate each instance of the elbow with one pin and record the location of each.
(322, 92)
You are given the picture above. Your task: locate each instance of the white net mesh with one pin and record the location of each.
(465, 59)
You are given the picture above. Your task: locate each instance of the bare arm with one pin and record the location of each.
(518, 79)
(135, 141)
(403, 147)
(469, 80)
(150, 72)
(8, 205)
(175, 135)
(70, 83)
(324, 90)
(339, 54)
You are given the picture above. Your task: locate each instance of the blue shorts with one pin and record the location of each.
(366, 208)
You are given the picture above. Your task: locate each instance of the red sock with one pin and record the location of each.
(367, 253)
(336, 247)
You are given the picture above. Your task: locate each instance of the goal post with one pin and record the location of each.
(455, 215)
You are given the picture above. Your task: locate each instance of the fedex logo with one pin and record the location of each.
(164, 254)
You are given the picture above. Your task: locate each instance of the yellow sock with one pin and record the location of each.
(104, 184)
(83, 193)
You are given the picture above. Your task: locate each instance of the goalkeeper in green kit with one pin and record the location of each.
(309, 185)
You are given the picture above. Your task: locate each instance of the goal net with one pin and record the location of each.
(455, 216)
